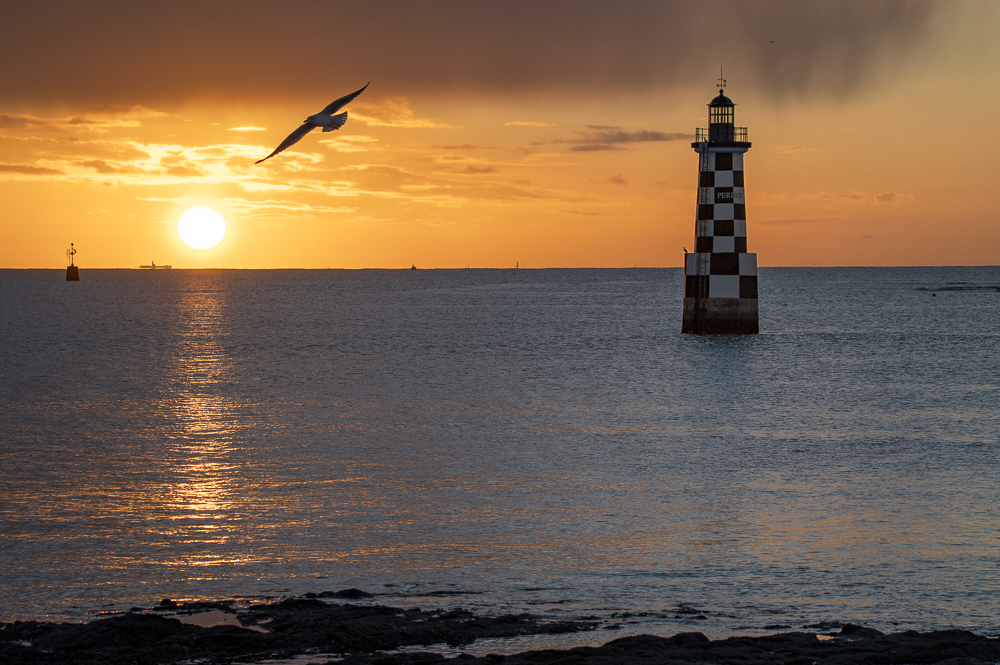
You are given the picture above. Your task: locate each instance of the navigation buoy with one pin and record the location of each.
(72, 271)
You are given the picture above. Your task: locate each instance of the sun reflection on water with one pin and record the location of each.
(203, 485)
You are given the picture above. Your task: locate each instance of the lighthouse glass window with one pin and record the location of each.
(721, 115)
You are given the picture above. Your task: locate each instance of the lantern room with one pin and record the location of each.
(721, 119)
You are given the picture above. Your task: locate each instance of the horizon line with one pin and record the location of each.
(633, 267)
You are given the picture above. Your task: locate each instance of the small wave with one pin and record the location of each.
(962, 286)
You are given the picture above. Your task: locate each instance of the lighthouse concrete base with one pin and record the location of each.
(720, 316)
(72, 273)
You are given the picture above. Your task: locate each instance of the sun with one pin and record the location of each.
(201, 227)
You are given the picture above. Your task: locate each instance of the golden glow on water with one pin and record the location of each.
(200, 496)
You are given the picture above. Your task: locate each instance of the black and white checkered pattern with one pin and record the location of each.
(720, 266)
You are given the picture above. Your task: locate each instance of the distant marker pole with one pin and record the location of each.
(72, 271)
(720, 276)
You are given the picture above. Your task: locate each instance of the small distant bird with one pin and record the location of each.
(324, 119)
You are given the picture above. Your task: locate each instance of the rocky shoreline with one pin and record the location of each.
(362, 635)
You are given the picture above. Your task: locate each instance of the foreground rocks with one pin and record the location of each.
(309, 625)
(854, 645)
(295, 626)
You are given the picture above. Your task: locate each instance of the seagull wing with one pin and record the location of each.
(338, 104)
(291, 139)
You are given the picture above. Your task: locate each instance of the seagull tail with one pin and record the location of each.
(338, 121)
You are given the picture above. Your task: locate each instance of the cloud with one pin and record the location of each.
(887, 197)
(790, 149)
(850, 197)
(185, 171)
(115, 158)
(795, 221)
(891, 196)
(294, 161)
(602, 137)
(602, 134)
(618, 180)
(248, 128)
(463, 146)
(28, 169)
(102, 166)
(263, 208)
(14, 121)
(867, 237)
(98, 121)
(63, 51)
(527, 123)
(390, 181)
(350, 143)
(478, 170)
(584, 213)
(594, 147)
(392, 113)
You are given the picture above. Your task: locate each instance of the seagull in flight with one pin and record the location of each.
(324, 119)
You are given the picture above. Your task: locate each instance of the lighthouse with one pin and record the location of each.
(720, 276)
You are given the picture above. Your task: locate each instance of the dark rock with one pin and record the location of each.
(296, 604)
(332, 628)
(399, 659)
(688, 639)
(459, 637)
(138, 638)
(308, 625)
(202, 605)
(347, 594)
(852, 631)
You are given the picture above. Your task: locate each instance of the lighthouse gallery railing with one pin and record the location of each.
(739, 135)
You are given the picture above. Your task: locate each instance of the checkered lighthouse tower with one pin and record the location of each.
(720, 277)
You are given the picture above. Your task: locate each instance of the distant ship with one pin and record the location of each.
(152, 266)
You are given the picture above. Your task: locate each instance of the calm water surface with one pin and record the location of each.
(533, 440)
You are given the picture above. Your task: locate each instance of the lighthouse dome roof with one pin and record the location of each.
(721, 100)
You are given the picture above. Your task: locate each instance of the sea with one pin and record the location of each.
(507, 441)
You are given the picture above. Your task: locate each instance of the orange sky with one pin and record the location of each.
(545, 133)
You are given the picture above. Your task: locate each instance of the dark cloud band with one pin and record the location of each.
(161, 53)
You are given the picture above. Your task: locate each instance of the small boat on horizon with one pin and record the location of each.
(152, 266)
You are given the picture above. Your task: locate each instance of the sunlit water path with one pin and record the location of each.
(533, 440)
